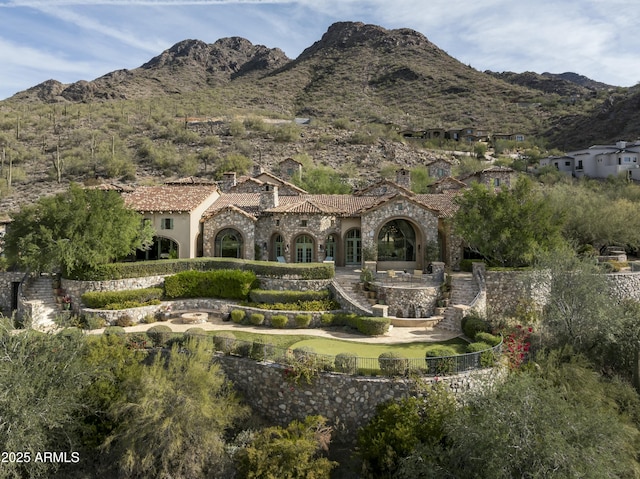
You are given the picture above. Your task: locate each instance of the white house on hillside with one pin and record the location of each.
(599, 161)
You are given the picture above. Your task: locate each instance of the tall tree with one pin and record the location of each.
(508, 227)
(75, 231)
(172, 419)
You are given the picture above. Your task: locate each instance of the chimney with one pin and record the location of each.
(621, 144)
(228, 181)
(403, 178)
(257, 170)
(268, 196)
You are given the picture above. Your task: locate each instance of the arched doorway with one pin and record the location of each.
(304, 249)
(353, 247)
(277, 249)
(228, 244)
(397, 241)
(330, 248)
(162, 248)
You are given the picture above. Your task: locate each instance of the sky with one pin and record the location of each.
(72, 40)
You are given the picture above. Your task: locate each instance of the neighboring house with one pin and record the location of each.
(599, 161)
(4, 221)
(496, 177)
(440, 168)
(174, 210)
(290, 168)
(508, 137)
(447, 183)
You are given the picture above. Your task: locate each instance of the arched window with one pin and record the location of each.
(397, 241)
(228, 244)
(162, 248)
(304, 249)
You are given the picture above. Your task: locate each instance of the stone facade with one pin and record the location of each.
(76, 289)
(346, 401)
(625, 285)
(506, 290)
(406, 300)
(8, 282)
(232, 218)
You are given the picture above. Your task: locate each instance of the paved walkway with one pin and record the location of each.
(395, 335)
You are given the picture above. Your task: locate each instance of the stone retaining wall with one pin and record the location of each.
(409, 301)
(625, 285)
(286, 284)
(348, 402)
(507, 289)
(76, 289)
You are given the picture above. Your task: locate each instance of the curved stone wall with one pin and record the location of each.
(348, 402)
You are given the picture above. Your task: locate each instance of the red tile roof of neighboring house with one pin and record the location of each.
(178, 198)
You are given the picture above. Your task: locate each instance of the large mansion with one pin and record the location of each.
(265, 217)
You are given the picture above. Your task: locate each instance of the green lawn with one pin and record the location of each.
(335, 346)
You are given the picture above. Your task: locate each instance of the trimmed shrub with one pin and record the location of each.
(393, 364)
(327, 319)
(238, 315)
(149, 319)
(317, 305)
(346, 319)
(441, 360)
(346, 363)
(274, 296)
(117, 330)
(139, 269)
(139, 297)
(256, 319)
(226, 284)
(124, 321)
(195, 331)
(487, 358)
(373, 326)
(279, 321)
(477, 347)
(491, 339)
(304, 353)
(473, 324)
(243, 348)
(303, 320)
(160, 334)
(261, 350)
(92, 322)
(224, 342)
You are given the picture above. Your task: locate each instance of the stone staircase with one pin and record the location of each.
(463, 291)
(39, 292)
(349, 285)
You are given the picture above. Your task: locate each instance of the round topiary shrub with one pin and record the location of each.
(238, 315)
(393, 364)
(260, 350)
(138, 341)
(256, 319)
(304, 353)
(490, 339)
(160, 335)
(303, 320)
(279, 321)
(477, 347)
(326, 319)
(441, 360)
(224, 342)
(473, 324)
(118, 330)
(124, 321)
(346, 363)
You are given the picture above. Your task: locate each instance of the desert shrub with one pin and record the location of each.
(393, 364)
(160, 334)
(304, 352)
(117, 330)
(490, 339)
(487, 358)
(238, 315)
(441, 360)
(346, 363)
(256, 319)
(279, 321)
(477, 347)
(149, 319)
(473, 324)
(124, 320)
(302, 320)
(138, 341)
(373, 326)
(224, 342)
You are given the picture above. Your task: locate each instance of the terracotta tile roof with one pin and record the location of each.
(169, 197)
(247, 202)
(383, 183)
(442, 202)
(306, 206)
(190, 180)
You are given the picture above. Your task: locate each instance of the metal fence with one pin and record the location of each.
(346, 363)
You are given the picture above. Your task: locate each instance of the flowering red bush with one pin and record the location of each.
(516, 346)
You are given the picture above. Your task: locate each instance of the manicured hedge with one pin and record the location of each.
(373, 326)
(160, 334)
(273, 297)
(226, 284)
(490, 339)
(473, 324)
(477, 347)
(271, 269)
(279, 321)
(302, 320)
(393, 364)
(102, 299)
(346, 363)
